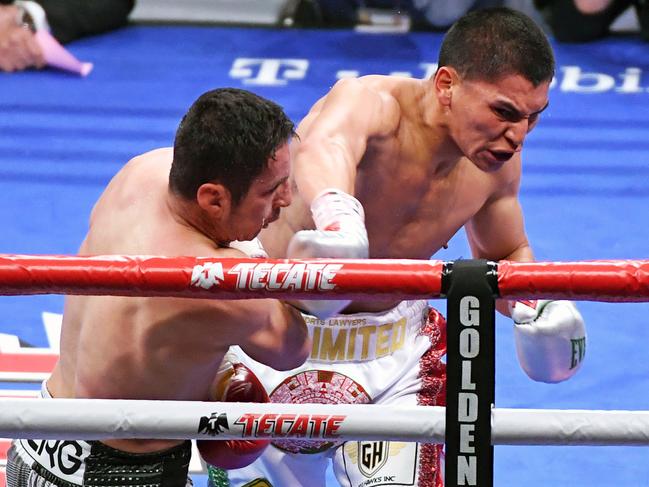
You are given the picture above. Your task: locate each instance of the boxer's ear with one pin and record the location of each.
(444, 80)
(215, 199)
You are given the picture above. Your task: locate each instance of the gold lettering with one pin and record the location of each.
(382, 339)
(316, 342)
(351, 344)
(336, 341)
(398, 335)
(330, 350)
(366, 332)
(312, 320)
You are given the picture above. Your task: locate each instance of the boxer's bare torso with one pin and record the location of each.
(416, 187)
(152, 348)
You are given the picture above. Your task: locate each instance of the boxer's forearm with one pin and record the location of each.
(521, 254)
(320, 165)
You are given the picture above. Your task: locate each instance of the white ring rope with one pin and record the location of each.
(102, 418)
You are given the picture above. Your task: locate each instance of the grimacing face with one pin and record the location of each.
(491, 119)
(268, 193)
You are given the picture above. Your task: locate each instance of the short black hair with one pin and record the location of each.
(490, 43)
(227, 135)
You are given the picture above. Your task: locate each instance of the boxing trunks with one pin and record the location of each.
(392, 357)
(59, 463)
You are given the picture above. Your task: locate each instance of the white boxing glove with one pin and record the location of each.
(252, 248)
(550, 338)
(340, 233)
(340, 229)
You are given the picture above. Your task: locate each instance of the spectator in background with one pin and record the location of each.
(424, 14)
(67, 20)
(588, 20)
(441, 14)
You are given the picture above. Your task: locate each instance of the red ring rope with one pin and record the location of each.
(225, 278)
(615, 280)
(600, 280)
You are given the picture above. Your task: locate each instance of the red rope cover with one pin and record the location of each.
(196, 277)
(612, 280)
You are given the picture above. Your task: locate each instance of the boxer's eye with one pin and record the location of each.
(507, 114)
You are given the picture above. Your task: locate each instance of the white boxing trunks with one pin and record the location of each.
(392, 357)
(58, 463)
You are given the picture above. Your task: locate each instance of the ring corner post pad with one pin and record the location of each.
(470, 287)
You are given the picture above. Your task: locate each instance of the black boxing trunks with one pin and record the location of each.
(67, 463)
(64, 463)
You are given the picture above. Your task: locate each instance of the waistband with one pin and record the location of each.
(78, 463)
(366, 336)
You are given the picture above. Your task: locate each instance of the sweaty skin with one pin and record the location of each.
(424, 157)
(168, 348)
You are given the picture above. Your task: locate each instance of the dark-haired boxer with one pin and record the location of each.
(225, 178)
(392, 167)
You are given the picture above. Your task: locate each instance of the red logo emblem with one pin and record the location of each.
(316, 387)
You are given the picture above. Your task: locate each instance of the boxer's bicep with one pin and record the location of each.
(333, 138)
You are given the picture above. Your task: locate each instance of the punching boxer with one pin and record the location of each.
(225, 178)
(391, 167)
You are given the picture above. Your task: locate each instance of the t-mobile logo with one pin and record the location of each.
(268, 72)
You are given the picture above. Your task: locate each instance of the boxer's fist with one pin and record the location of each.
(550, 338)
(307, 244)
(340, 229)
(340, 234)
(234, 383)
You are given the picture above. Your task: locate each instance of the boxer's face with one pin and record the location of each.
(490, 120)
(268, 193)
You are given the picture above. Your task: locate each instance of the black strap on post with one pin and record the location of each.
(470, 287)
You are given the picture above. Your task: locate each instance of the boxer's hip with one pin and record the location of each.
(361, 358)
(77, 463)
(69, 463)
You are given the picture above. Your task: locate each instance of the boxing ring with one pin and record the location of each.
(469, 425)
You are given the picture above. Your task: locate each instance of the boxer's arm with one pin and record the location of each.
(497, 230)
(268, 330)
(332, 141)
(333, 136)
(497, 233)
(280, 338)
(550, 336)
(257, 344)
